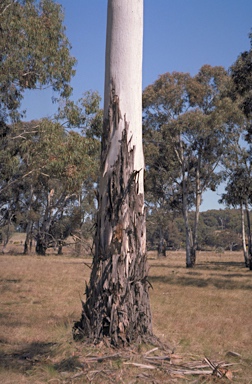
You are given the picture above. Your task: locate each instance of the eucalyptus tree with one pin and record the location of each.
(161, 193)
(53, 168)
(238, 164)
(83, 115)
(9, 165)
(117, 297)
(69, 160)
(73, 173)
(198, 121)
(163, 101)
(35, 52)
(241, 74)
(238, 191)
(86, 117)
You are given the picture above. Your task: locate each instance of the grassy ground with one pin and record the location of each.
(205, 311)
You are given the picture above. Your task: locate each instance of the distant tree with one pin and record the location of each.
(241, 74)
(238, 168)
(9, 171)
(71, 162)
(31, 164)
(238, 193)
(193, 122)
(53, 170)
(34, 52)
(161, 193)
(86, 117)
(162, 231)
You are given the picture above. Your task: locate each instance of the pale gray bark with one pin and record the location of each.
(249, 236)
(244, 247)
(196, 217)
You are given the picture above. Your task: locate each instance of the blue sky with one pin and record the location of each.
(179, 35)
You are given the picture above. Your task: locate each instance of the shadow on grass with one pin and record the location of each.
(186, 281)
(213, 265)
(33, 355)
(229, 275)
(220, 265)
(229, 269)
(23, 359)
(7, 281)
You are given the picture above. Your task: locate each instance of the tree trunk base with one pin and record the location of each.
(40, 248)
(192, 261)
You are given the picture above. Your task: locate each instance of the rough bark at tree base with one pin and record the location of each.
(161, 246)
(192, 260)
(117, 297)
(40, 247)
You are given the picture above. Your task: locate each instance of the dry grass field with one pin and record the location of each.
(200, 312)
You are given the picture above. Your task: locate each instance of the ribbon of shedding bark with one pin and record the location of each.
(117, 297)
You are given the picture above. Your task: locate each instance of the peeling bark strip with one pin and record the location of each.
(117, 297)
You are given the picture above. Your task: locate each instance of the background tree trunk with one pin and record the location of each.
(117, 297)
(249, 236)
(28, 243)
(40, 245)
(197, 215)
(244, 247)
(190, 257)
(161, 244)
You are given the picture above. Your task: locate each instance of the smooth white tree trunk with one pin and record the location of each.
(123, 75)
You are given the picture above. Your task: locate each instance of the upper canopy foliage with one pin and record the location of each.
(241, 73)
(192, 122)
(34, 52)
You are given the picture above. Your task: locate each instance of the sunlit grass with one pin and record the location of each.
(205, 311)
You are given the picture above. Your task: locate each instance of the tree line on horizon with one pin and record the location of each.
(197, 133)
(220, 230)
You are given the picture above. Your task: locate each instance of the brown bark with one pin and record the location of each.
(117, 297)
(28, 244)
(28, 239)
(60, 247)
